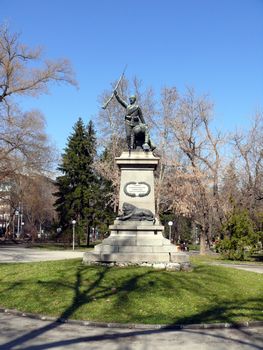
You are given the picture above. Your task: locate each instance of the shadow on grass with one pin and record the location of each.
(211, 307)
(142, 283)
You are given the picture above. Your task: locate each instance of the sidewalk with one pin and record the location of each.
(31, 334)
(15, 253)
(11, 254)
(246, 267)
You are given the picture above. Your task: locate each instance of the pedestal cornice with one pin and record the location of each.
(137, 159)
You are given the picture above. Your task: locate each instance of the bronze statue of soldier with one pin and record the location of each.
(137, 134)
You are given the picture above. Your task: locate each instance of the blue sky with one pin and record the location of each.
(215, 46)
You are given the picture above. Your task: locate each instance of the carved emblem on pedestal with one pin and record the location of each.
(137, 189)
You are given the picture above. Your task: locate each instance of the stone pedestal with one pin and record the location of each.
(134, 241)
(137, 179)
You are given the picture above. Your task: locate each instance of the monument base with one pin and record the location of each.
(137, 243)
(136, 238)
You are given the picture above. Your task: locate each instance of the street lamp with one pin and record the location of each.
(73, 231)
(18, 228)
(170, 224)
(22, 227)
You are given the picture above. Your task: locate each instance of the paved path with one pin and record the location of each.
(30, 334)
(246, 267)
(10, 254)
(14, 253)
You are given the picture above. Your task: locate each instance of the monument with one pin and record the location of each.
(136, 237)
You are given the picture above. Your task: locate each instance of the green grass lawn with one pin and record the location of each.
(68, 289)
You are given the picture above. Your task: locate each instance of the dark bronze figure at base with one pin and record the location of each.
(131, 212)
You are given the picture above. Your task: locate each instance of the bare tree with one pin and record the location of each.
(25, 149)
(248, 148)
(201, 148)
(24, 145)
(33, 195)
(23, 142)
(111, 137)
(230, 187)
(19, 76)
(165, 150)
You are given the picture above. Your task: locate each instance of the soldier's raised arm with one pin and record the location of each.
(120, 100)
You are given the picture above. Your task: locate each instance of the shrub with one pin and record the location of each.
(239, 237)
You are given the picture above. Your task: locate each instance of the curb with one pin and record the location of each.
(237, 325)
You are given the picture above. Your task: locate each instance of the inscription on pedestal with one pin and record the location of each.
(137, 189)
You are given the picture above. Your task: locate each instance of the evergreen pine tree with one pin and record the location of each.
(104, 203)
(240, 236)
(78, 185)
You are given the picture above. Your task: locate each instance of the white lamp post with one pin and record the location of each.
(18, 228)
(170, 224)
(73, 231)
(22, 227)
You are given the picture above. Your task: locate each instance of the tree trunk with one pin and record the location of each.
(210, 229)
(202, 242)
(193, 232)
(88, 236)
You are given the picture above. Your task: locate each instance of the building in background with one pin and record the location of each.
(5, 208)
